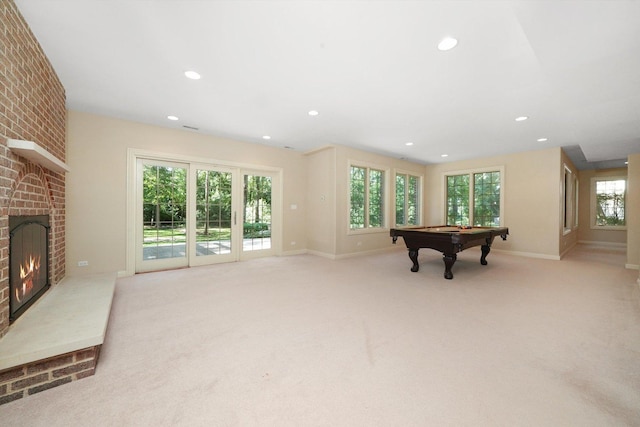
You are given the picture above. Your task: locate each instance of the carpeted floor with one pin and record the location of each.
(307, 341)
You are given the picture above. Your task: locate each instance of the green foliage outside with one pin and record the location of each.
(357, 197)
(256, 229)
(407, 200)
(486, 199)
(458, 199)
(361, 199)
(165, 201)
(401, 185)
(376, 194)
(610, 209)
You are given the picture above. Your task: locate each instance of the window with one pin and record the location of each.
(474, 198)
(607, 202)
(568, 207)
(458, 199)
(575, 201)
(366, 198)
(486, 199)
(407, 199)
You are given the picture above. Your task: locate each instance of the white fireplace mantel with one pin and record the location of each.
(32, 151)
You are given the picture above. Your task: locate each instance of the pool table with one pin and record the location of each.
(449, 240)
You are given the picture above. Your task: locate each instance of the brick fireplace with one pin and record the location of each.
(32, 108)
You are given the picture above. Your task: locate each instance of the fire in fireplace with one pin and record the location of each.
(28, 261)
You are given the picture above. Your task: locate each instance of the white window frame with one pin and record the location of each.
(420, 195)
(569, 200)
(471, 190)
(385, 197)
(593, 200)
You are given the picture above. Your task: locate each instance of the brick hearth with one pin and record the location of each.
(58, 340)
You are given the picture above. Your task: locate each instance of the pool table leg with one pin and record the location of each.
(485, 251)
(413, 255)
(449, 260)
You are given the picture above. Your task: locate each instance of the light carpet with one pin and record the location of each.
(307, 341)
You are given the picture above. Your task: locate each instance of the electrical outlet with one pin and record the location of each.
(83, 263)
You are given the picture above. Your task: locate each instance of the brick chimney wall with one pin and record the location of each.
(32, 108)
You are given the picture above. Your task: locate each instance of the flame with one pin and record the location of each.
(27, 274)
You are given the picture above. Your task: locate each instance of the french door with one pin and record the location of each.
(161, 232)
(190, 214)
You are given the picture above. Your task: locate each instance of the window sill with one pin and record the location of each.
(609, 227)
(356, 231)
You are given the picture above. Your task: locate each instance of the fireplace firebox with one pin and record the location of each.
(28, 262)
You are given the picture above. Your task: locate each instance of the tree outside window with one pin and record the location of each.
(474, 199)
(609, 202)
(407, 199)
(458, 199)
(486, 199)
(366, 191)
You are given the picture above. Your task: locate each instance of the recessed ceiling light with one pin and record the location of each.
(626, 163)
(444, 155)
(172, 118)
(409, 144)
(313, 113)
(266, 137)
(542, 139)
(192, 75)
(447, 43)
(521, 118)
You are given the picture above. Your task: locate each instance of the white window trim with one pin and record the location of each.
(592, 202)
(503, 181)
(567, 200)
(133, 154)
(385, 200)
(576, 201)
(420, 194)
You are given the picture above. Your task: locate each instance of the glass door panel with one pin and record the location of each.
(257, 213)
(162, 220)
(214, 214)
(189, 214)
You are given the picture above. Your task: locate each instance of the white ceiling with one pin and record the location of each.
(371, 69)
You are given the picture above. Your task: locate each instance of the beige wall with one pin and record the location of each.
(349, 242)
(532, 187)
(321, 201)
(97, 184)
(328, 198)
(587, 234)
(316, 183)
(633, 211)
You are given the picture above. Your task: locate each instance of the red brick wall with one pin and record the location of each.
(32, 108)
(21, 381)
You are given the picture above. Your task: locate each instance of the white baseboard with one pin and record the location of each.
(296, 252)
(321, 254)
(528, 254)
(603, 244)
(370, 252)
(353, 254)
(632, 267)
